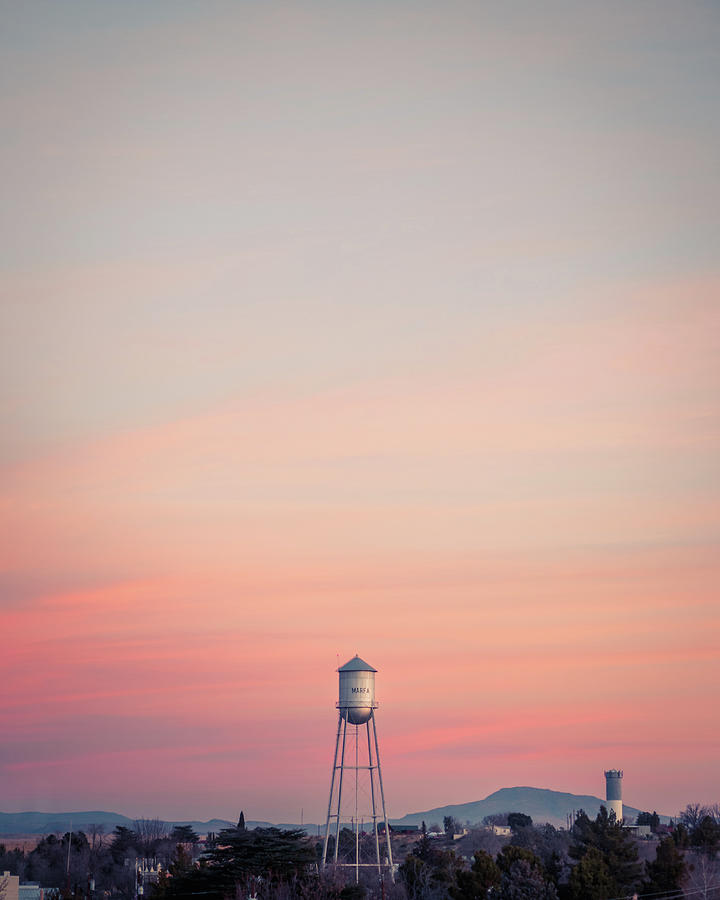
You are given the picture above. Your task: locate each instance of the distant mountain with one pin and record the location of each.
(543, 805)
(48, 823)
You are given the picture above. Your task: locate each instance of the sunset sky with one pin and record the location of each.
(367, 326)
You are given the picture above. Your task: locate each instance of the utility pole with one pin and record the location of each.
(67, 870)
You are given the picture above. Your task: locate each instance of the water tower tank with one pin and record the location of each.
(357, 691)
(613, 792)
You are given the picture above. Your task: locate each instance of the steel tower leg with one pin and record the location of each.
(372, 794)
(382, 795)
(357, 820)
(340, 786)
(332, 787)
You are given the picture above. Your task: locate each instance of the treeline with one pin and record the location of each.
(597, 860)
(89, 863)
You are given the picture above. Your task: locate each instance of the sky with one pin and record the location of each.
(385, 328)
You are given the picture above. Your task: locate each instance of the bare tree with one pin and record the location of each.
(703, 879)
(693, 814)
(150, 832)
(96, 836)
(496, 819)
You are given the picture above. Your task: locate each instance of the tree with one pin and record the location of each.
(179, 865)
(353, 892)
(484, 875)
(423, 848)
(693, 814)
(703, 880)
(526, 881)
(428, 871)
(149, 834)
(666, 872)
(523, 875)
(645, 818)
(615, 846)
(511, 853)
(263, 860)
(53, 860)
(495, 819)
(549, 845)
(12, 861)
(706, 836)
(451, 826)
(518, 820)
(184, 834)
(415, 876)
(96, 836)
(241, 821)
(124, 843)
(590, 879)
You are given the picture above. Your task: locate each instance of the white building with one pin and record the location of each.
(9, 886)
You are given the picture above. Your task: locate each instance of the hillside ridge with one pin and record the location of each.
(542, 804)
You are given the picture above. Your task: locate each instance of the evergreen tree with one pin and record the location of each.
(523, 875)
(667, 870)
(124, 843)
(484, 875)
(429, 870)
(590, 879)
(423, 848)
(548, 844)
(706, 836)
(12, 861)
(261, 860)
(616, 848)
(414, 875)
(511, 853)
(645, 818)
(184, 834)
(518, 820)
(525, 881)
(241, 821)
(180, 864)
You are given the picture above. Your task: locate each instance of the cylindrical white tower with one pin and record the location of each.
(613, 792)
(356, 707)
(357, 691)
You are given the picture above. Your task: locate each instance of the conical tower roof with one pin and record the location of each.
(356, 665)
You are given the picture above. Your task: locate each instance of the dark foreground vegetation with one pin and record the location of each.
(596, 860)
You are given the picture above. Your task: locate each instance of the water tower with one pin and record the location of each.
(613, 792)
(356, 783)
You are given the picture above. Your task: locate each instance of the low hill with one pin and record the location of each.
(542, 804)
(49, 823)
